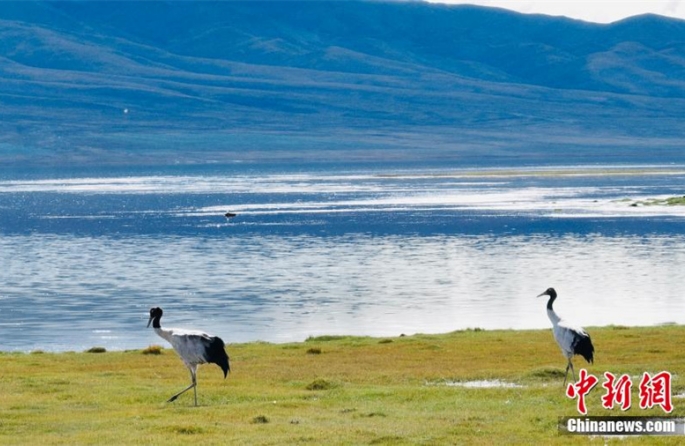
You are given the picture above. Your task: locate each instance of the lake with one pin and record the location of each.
(375, 251)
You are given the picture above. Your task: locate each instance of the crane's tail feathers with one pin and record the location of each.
(583, 347)
(223, 363)
(216, 354)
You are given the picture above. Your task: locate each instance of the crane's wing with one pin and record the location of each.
(574, 340)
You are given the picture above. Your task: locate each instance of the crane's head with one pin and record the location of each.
(155, 313)
(548, 292)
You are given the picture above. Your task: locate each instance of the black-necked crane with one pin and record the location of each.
(194, 348)
(572, 340)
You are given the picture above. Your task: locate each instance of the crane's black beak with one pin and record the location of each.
(539, 295)
(149, 322)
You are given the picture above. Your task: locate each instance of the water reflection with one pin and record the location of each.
(66, 292)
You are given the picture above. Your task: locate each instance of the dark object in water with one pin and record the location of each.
(229, 215)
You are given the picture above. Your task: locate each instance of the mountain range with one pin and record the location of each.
(196, 82)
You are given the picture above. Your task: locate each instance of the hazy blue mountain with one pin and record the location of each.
(127, 82)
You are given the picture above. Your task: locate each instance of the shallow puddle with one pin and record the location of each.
(483, 384)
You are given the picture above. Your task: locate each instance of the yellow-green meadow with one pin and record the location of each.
(464, 387)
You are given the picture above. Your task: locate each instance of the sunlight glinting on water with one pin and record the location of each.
(285, 289)
(361, 254)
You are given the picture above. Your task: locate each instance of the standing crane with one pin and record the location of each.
(572, 340)
(194, 348)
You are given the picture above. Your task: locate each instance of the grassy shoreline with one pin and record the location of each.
(555, 172)
(332, 390)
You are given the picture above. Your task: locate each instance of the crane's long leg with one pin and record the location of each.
(192, 385)
(573, 372)
(566, 375)
(173, 398)
(194, 373)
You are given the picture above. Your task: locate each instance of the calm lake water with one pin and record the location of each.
(366, 253)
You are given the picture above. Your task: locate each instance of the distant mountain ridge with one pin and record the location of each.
(153, 81)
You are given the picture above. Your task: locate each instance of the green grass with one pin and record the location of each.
(355, 391)
(670, 201)
(675, 201)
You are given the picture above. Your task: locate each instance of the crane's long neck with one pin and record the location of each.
(550, 311)
(162, 333)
